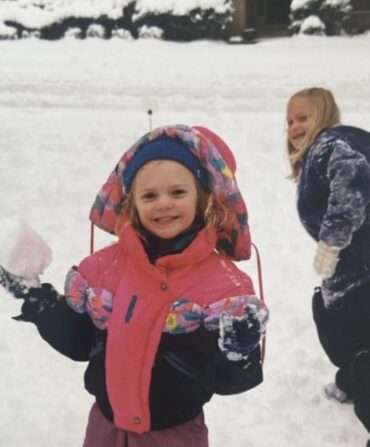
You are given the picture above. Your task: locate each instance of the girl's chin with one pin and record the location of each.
(297, 143)
(165, 233)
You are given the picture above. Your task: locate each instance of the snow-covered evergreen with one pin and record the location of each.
(319, 17)
(54, 19)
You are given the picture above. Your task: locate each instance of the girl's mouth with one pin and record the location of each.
(297, 139)
(165, 219)
(299, 136)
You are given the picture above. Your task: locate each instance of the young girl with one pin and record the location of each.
(331, 163)
(163, 316)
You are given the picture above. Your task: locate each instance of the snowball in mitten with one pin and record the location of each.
(14, 284)
(239, 336)
(23, 251)
(326, 259)
(41, 297)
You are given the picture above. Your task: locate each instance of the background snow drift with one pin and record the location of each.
(68, 111)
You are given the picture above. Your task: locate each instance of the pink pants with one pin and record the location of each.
(101, 432)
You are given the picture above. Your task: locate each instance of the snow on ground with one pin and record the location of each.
(68, 111)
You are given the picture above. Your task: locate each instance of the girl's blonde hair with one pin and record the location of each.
(325, 113)
(210, 212)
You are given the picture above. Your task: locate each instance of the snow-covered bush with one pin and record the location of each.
(8, 32)
(319, 17)
(95, 30)
(26, 34)
(150, 32)
(54, 18)
(122, 33)
(185, 20)
(313, 25)
(176, 19)
(75, 33)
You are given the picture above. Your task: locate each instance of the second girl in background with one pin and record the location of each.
(331, 164)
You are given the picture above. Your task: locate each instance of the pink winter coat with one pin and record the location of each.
(136, 300)
(144, 297)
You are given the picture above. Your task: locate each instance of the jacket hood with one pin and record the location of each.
(233, 238)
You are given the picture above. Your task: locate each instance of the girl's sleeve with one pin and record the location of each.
(67, 329)
(68, 332)
(201, 324)
(348, 173)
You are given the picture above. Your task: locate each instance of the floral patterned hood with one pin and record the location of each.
(233, 238)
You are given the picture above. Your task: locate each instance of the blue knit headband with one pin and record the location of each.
(164, 149)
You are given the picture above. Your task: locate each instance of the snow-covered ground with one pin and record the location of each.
(69, 109)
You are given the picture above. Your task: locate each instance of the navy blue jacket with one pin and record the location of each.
(334, 203)
(187, 370)
(183, 378)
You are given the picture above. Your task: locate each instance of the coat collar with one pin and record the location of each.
(201, 247)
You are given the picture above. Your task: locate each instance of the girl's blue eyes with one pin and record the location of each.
(153, 195)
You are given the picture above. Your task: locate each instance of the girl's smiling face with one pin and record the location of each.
(299, 119)
(165, 197)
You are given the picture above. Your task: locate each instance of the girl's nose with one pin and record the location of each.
(164, 202)
(293, 128)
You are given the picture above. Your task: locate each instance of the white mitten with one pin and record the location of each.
(326, 259)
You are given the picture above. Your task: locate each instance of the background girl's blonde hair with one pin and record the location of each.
(210, 212)
(325, 113)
